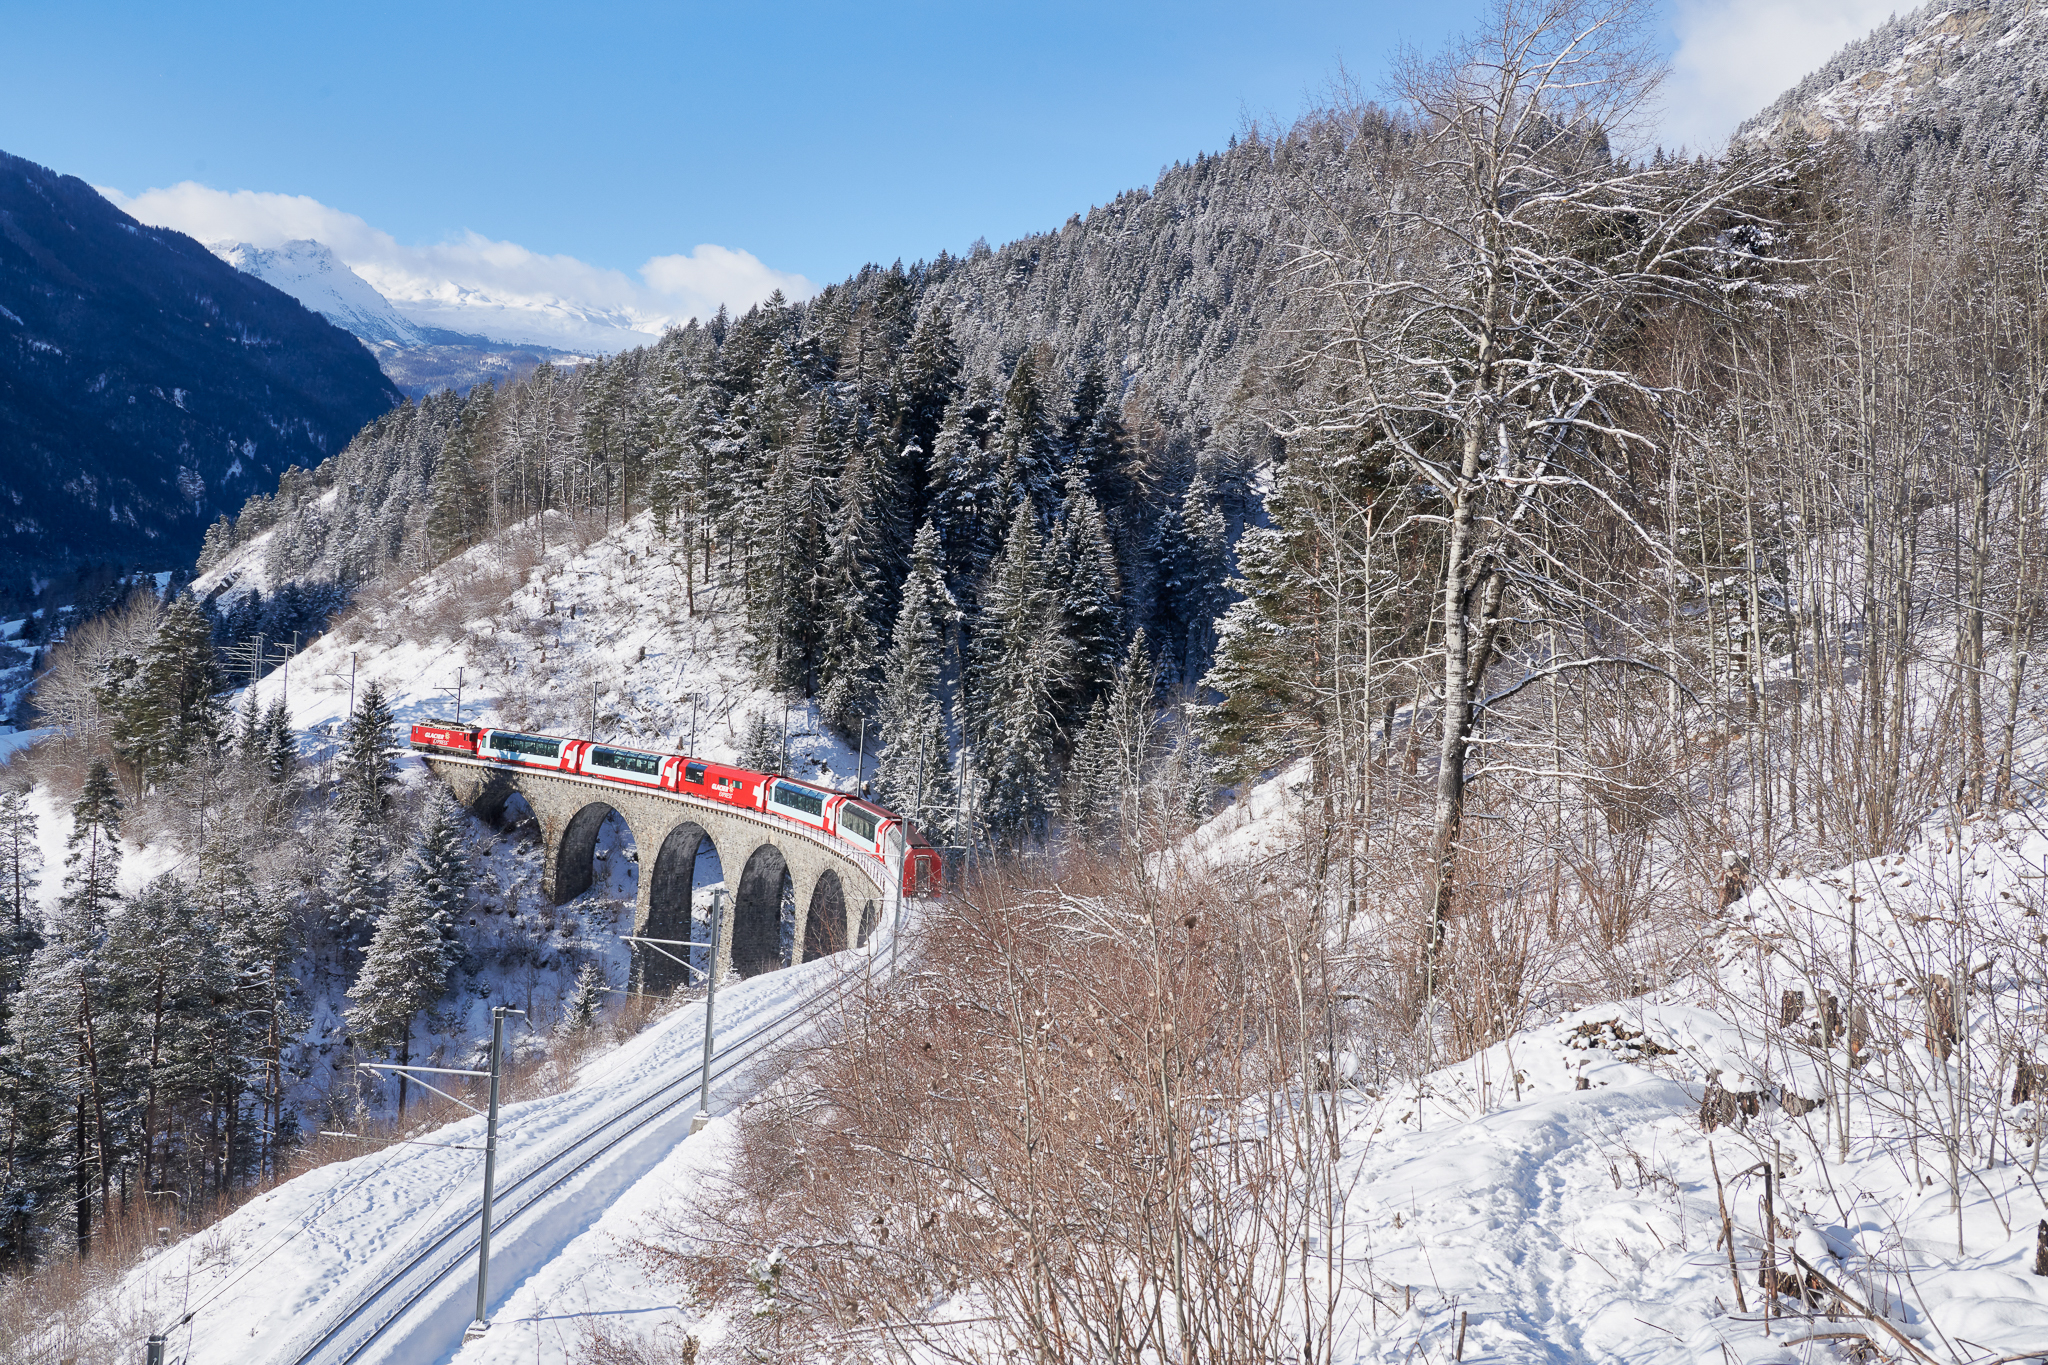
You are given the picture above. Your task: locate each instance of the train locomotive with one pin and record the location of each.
(867, 829)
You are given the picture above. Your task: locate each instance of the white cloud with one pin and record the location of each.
(1736, 56)
(474, 283)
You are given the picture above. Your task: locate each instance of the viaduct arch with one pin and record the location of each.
(838, 898)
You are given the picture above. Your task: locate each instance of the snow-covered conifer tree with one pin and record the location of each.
(1020, 653)
(360, 889)
(761, 750)
(404, 972)
(65, 1032)
(280, 745)
(914, 772)
(364, 768)
(1023, 444)
(438, 870)
(1085, 577)
(1194, 562)
(851, 660)
(21, 859)
(581, 1009)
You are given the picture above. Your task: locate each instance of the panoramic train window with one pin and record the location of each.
(693, 772)
(527, 744)
(796, 798)
(626, 761)
(858, 821)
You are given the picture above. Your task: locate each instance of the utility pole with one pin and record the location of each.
(710, 999)
(490, 1117)
(457, 690)
(483, 1246)
(860, 760)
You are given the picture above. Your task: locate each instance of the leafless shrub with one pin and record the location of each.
(1087, 1121)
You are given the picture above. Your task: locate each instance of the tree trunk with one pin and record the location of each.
(81, 1186)
(1465, 662)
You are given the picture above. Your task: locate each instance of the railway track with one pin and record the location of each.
(348, 1331)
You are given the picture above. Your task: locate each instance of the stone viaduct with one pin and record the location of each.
(839, 897)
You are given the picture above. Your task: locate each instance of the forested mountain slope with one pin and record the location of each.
(1945, 103)
(147, 385)
(1087, 408)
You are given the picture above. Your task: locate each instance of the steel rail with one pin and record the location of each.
(552, 1171)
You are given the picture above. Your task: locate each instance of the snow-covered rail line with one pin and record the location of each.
(421, 1304)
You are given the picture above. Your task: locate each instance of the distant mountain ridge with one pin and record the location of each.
(145, 385)
(418, 359)
(316, 277)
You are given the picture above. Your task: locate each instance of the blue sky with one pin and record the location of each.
(816, 136)
(812, 137)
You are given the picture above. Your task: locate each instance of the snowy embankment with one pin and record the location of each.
(598, 637)
(1559, 1196)
(265, 1283)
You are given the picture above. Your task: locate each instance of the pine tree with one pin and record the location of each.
(1194, 562)
(404, 972)
(1023, 444)
(249, 727)
(261, 937)
(963, 489)
(459, 499)
(581, 1009)
(438, 870)
(92, 862)
(1085, 405)
(280, 744)
(360, 889)
(1019, 654)
(65, 1038)
(168, 705)
(930, 379)
(172, 981)
(365, 768)
(1114, 750)
(847, 670)
(914, 772)
(21, 859)
(1091, 796)
(761, 750)
(1085, 577)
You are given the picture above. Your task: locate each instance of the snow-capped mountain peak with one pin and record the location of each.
(316, 277)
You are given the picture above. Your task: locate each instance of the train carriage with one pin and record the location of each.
(448, 735)
(720, 782)
(799, 801)
(531, 751)
(636, 767)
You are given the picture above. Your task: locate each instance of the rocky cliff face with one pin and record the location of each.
(1947, 104)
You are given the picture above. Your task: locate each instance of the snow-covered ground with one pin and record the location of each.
(261, 1284)
(580, 638)
(1554, 1198)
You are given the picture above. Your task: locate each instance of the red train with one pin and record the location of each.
(870, 829)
